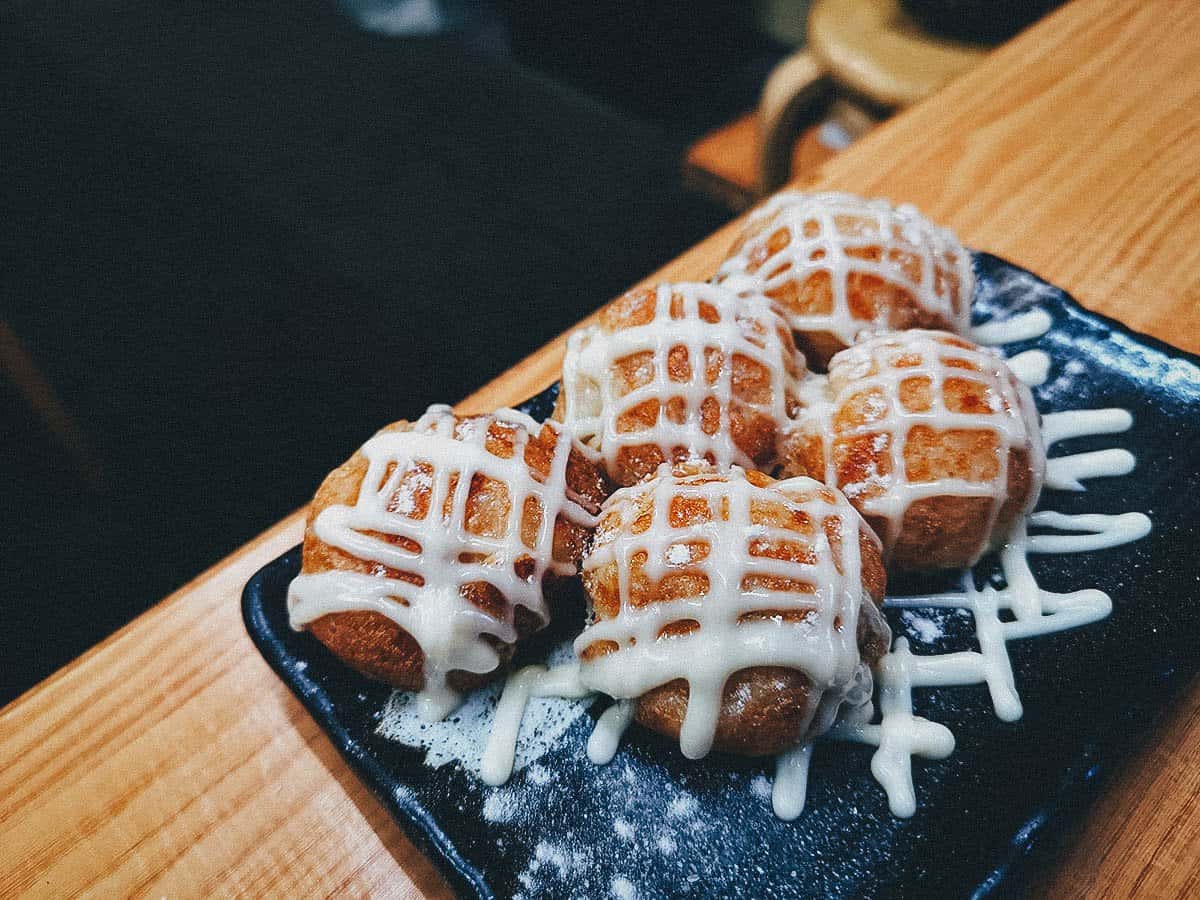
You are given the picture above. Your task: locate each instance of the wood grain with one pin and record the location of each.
(170, 761)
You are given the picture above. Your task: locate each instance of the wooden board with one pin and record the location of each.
(170, 761)
(724, 164)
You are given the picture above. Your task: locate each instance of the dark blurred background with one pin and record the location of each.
(237, 237)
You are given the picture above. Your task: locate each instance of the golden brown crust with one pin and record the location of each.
(375, 645)
(752, 430)
(369, 642)
(854, 452)
(765, 709)
(873, 301)
(763, 712)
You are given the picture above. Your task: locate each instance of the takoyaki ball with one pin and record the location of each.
(737, 611)
(932, 438)
(436, 546)
(681, 371)
(841, 267)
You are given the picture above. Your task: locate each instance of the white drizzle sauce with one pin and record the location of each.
(871, 367)
(531, 681)
(749, 327)
(1023, 326)
(1097, 532)
(449, 629)
(1032, 367)
(790, 791)
(899, 735)
(824, 645)
(606, 736)
(896, 230)
(1065, 473)
(1061, 426)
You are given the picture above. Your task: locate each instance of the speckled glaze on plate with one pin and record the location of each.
(653, 824)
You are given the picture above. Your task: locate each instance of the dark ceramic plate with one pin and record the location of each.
(653, 824)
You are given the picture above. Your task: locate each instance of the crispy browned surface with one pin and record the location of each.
(377, 646)
(147, 767)
(754, 432)
(871, 299)
(942, 531)
(765, 708)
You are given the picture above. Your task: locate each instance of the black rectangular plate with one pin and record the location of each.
(653, 824)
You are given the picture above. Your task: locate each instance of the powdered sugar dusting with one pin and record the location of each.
(925, 629)
(539, 775)
(683, 806)
(623, 889)
(637, 836)
(1065, 384)
(760, 787)
(501, 805)
(679, 554)
(553, 868)
(461, 737)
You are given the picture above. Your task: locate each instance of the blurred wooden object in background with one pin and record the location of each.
(722, 164)
(865, 59)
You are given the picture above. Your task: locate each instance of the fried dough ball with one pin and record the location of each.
(679, 371)
(933, 440)
(434, 548)
(739, 611)
(841, 267)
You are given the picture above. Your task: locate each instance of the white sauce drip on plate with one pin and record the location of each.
(1023, 326)
(901, 735)
(1032, 367)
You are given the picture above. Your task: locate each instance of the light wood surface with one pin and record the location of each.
(170, 761)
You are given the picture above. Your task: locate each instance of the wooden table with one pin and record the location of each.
(170, 761)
